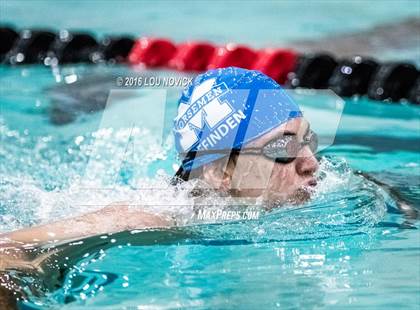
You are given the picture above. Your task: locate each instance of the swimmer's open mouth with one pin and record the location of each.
(301, 195)
(305, 192)
(312, 182)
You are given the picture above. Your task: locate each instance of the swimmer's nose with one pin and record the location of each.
(306, 163)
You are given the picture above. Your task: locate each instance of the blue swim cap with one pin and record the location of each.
(227, 108)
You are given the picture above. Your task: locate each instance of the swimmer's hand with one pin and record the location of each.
(111, 219)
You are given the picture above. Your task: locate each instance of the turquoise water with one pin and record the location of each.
(350, 247)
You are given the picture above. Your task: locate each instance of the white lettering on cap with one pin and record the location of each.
(205, 108)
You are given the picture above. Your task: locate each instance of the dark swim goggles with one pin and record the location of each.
(281, 150)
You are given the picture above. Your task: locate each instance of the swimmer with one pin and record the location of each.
(231, 123)
(240, 135)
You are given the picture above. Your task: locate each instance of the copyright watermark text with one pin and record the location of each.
(153, 81)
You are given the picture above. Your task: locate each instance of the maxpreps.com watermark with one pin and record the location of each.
(226, 215)
(153, 81)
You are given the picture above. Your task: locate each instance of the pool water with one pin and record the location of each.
(349, 247)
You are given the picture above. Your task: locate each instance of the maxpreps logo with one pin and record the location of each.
(205, 107)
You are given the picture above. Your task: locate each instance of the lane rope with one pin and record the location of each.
(389, 81)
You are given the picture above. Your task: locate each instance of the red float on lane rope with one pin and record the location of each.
(276, 63)
(192, 56)
(152, 52)
(233, 55)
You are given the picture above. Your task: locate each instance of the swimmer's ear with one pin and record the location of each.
(218, 175)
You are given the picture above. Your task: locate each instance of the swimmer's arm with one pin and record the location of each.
(403, 205)
(111, 219)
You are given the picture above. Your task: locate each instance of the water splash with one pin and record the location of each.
(343, 204)
(50, 181)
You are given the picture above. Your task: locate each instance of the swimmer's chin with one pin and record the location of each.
(302, 195)
(298, 197)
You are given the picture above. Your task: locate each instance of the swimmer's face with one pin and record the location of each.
(257, 176)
